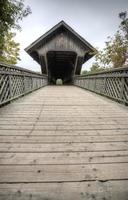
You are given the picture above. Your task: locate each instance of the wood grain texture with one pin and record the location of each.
(66, 191)
(62, 142)
(111, 83)
(16, 82)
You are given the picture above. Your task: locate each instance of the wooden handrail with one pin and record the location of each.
(112, 83)
(16, 81)
(107, 71)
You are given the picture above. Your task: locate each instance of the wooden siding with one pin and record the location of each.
(62, 41)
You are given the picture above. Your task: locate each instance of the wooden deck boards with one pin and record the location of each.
(63, 143)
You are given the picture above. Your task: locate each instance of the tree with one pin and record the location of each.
(115, 52)
(124, 28)
(10, 52)
(84, 72)
(102, 58)
(124, 23)
(11, 12)
(96, 67)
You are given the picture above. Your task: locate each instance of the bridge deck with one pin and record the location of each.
(63, 143)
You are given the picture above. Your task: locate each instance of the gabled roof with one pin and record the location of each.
(37, 42)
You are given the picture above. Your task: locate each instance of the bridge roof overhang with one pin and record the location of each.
(32, 48)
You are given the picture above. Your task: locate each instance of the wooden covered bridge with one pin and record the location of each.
(67, 142)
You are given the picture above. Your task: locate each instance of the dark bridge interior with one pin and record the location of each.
(61, 65)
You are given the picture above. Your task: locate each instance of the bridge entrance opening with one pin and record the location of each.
(61, 65)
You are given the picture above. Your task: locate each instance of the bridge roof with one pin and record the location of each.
(37, 43)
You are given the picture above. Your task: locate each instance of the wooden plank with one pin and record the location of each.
(87, 190)
(115, 190)
(62, 133)
(56, 173)
(67, 122)
(66, 141)
(63, 147)
(46, 114)
(61, 127)
(64, 158)
(62, 139)
(64, 119)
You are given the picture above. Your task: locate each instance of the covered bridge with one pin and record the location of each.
(63, 142)
(60, 52)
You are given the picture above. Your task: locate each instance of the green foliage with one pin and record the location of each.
(115, 52)
(59, 82)
(116, 49)
(124, 23)
(96, 68)
(11, 12)
(10, 51)
(84, 72)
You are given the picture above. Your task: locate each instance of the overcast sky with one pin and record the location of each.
(92, 19)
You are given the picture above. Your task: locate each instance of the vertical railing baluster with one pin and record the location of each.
(94, 84)
(31, 84)
(15, 82)
(105, 80)
(24, 88)
(115, 88)
(122, 88)
(10, 86)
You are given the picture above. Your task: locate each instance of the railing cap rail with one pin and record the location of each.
(105, 71)
(20, 69)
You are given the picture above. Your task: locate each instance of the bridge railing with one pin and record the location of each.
(17, 81)
(112, 83)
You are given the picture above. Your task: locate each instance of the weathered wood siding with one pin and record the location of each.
(62, 41)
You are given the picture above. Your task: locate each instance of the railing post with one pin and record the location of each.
(83, 83)
(31, 83)
(94, 84)
(88, 83)
(105, 79)
(122, 87)
(24, 88)
(10, 86)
